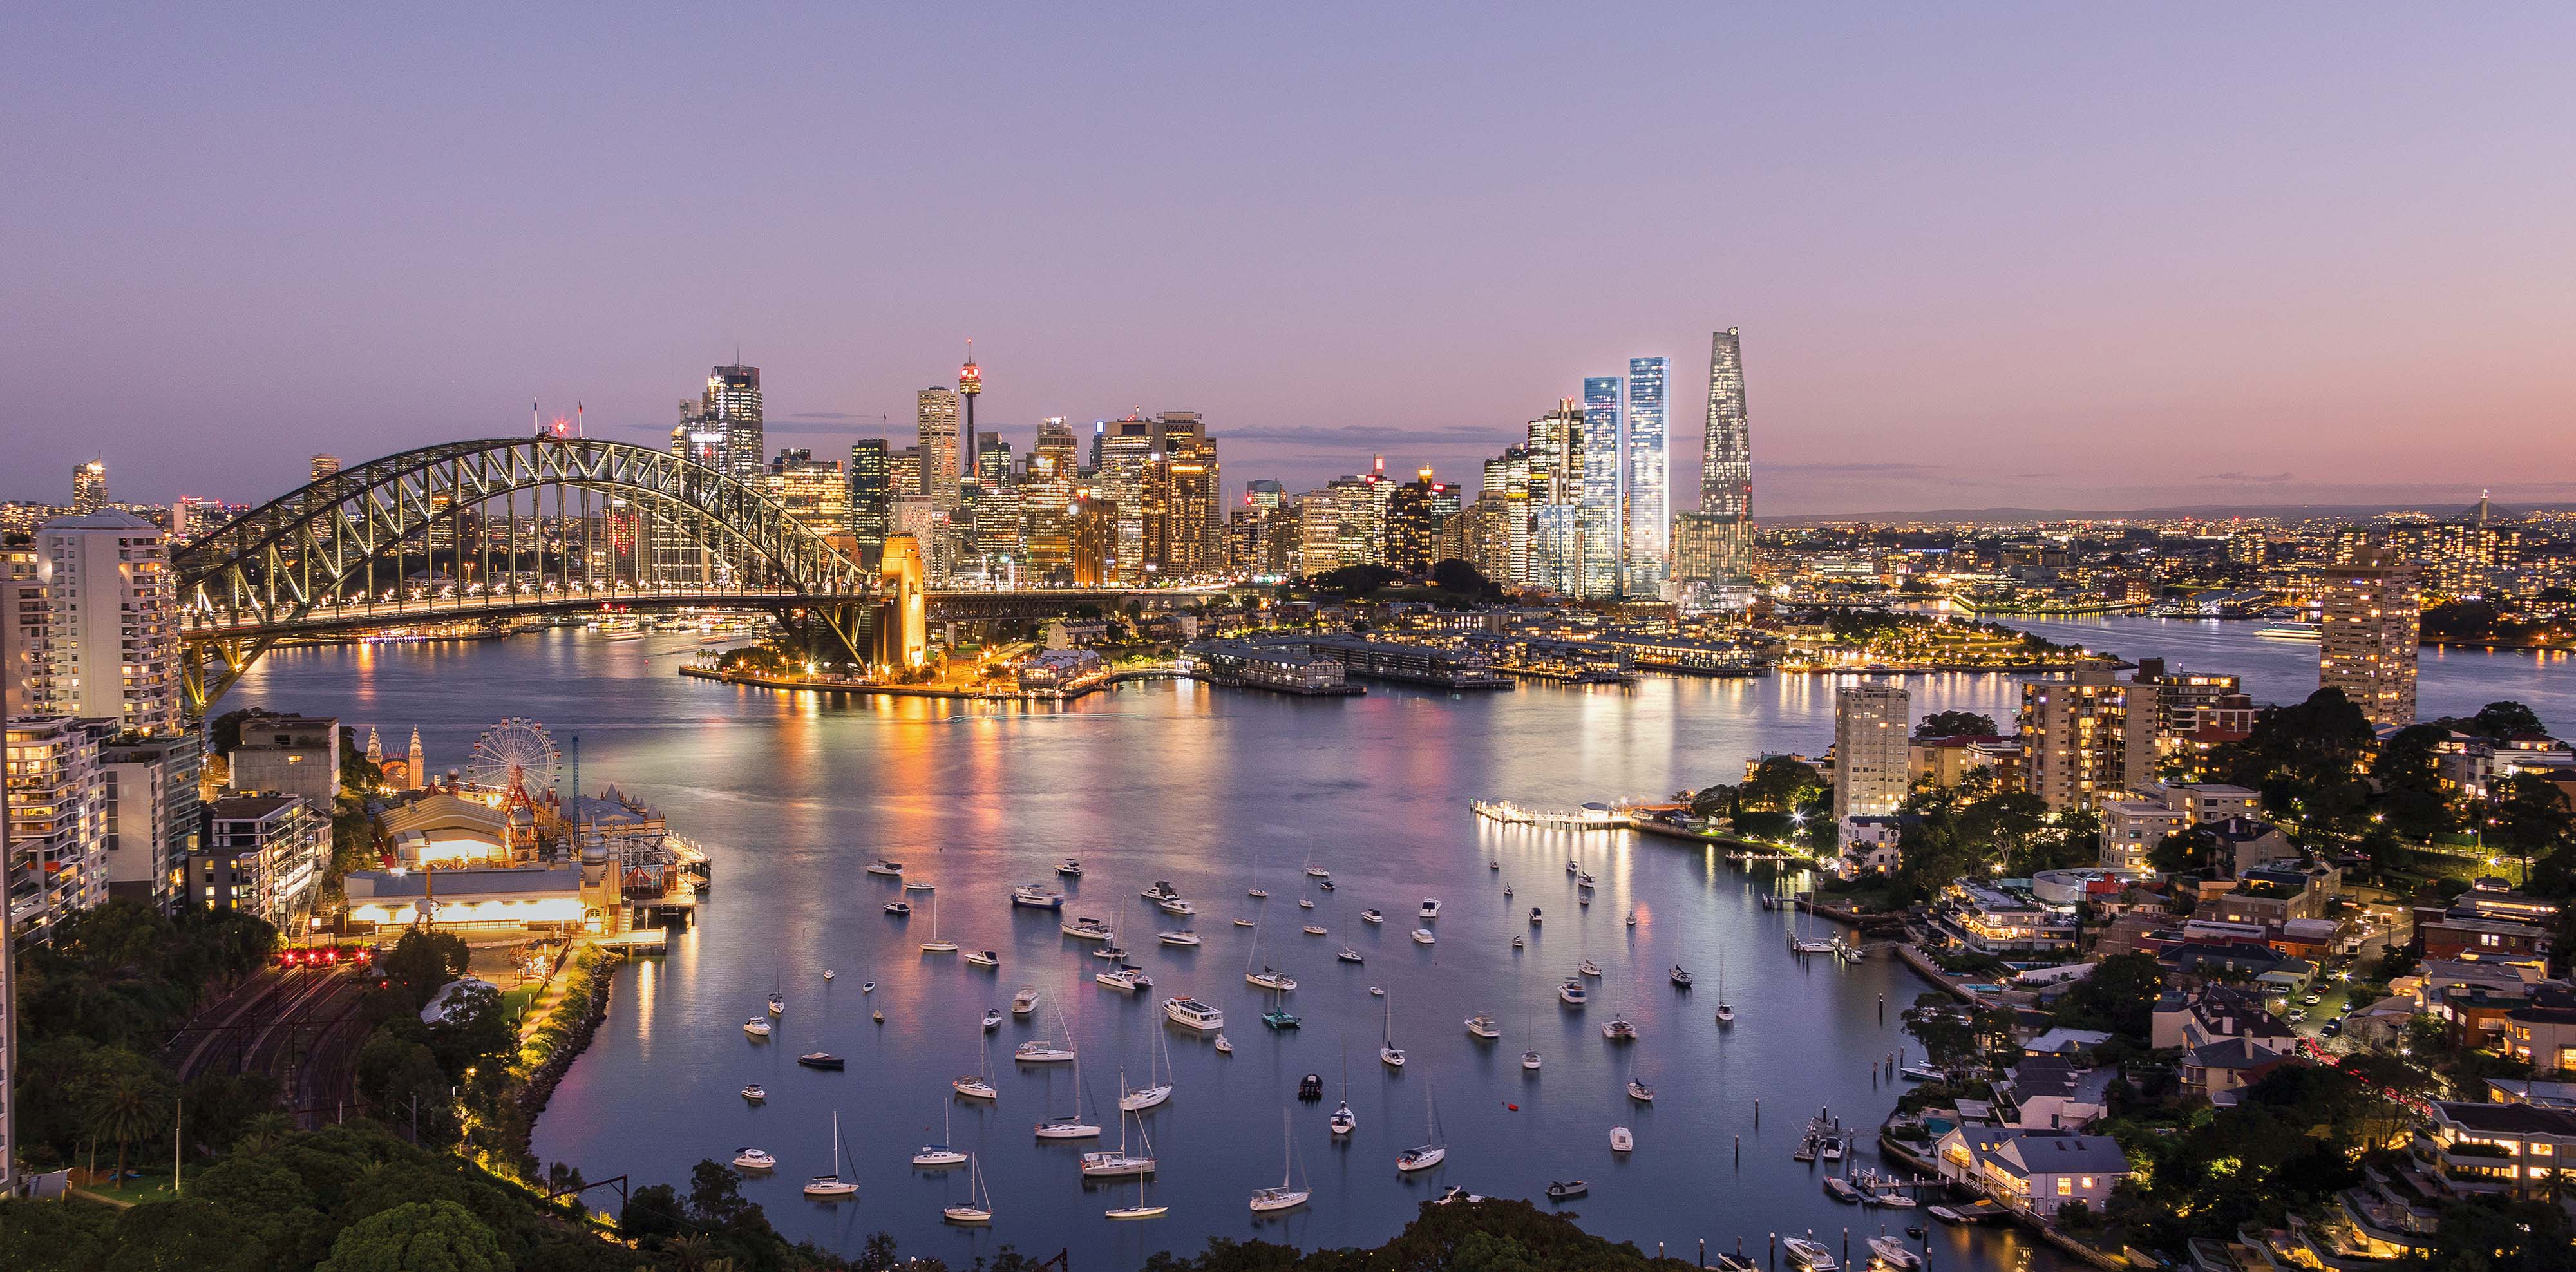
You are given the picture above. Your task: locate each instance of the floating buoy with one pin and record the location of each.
(1513, 1107)
(879, 1017)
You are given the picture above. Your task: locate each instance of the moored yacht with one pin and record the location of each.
(1029, 896)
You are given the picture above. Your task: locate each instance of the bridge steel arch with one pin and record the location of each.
(258, 577)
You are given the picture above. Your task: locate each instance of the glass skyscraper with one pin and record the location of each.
(1601, 528)
(1649, 499)
(1726, 463)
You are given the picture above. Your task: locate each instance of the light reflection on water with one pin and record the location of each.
(793, 794)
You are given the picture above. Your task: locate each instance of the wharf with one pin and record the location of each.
(853, 685)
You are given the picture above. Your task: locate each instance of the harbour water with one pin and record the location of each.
(1214, 791)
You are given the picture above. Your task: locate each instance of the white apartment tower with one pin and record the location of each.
(109, 645)
(1871, 725)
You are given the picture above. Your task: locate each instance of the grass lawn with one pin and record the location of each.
(148, 1186)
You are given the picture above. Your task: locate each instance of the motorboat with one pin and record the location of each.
(832, 1187)
(1893, 1253)
(1304, 903)
(1889, 1196)
(1182, 938)
(1567, 1189)
(757, 1026)
(1682, 979)
(1423, 936)
(877, 1016)
(1257, 894)
(1224, 1046)
(1533, 916)
(1507, 892)
(1349, 955)
(900, 909)
(992, 1019)
(1840, 1189)
(1313, 929)
(1085, 929)
(1519, 943)
(1326, 885)
(1811, 1255)
(1371, 916)
(1573, 867)
(1585, 880)
(754, 1159)
(1177, 906)
(1280, 1019)
(1572, 993)
(1430, 908)
(1377, 991)
(1161, 891)
(1481, 1026)
(1921, 1072)
(984, 958)
(1640, 1092)
(822, 1060)
(1583, 899)
(867, 987)
(1040, 1051)
(1726, 1013)
(1127, 977)
(1025, 1001)
(1450, 1195)
(755, 1093)
(777, 1005)
(1069, 868)
(979, 1200)
(1269, 979)
(918, 885)
(1831, 1150)
(1029, 896)
(1493, 863)
(828, 973)
(1243, 922)
(1190, 1013)
(1617, 1029)
(1589, 968)
(1622, 1140)
(1113, 951)
(890, 869)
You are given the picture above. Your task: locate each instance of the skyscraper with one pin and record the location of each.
(1602, 516)
(1416, 513)
(110, 648)
(1726, 463)
(1181, 503)
(1648, 556)
(89, 486)
(731, 407)
(2087, 739)
(1556, 489)
(935, 418)
(1870, 767)
(2373, 625)
(1049, 499)
(1125, 449)
(871, 497)
(324, 466)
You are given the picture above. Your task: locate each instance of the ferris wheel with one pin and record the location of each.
(516, 757)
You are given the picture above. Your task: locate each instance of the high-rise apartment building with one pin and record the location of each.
(935, 423)
(871, 497)
(89, 486)
(1603, 516)
(2087, 739)
(1479, 536)
(57, 844)
(2373, 612)
(110, 644)
(1509, 475)
(1871, 726)
(1181, 499)
(1647, 558)
(150, 814)
(1556, 480)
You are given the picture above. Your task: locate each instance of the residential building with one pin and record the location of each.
(56, 839)
(2498, 1149)
(2003, 921)
(89, 487)
(289, 755)
(1647, 512)
(1871, 725)
(1557, 463)
(263, 855)
(2185, 701)
(151, 815)
(2373, 620)
(2131, 828)
(2038, 1171)
(2081, 742)
(109, 644)
(1604, 517)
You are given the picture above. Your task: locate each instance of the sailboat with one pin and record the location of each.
(1725, 1009)
(1146, 1097)
(1098, 1165)
(1286, 1196)
(1256, 891)
(979, 1199)
(1529, 1058)
(1140, 1210)
(934, 945)
(939, 1156)
(1388, 1052)
(1268, 977)
(832, 1187)
(1343, 1121)
(1042, 1051)
(1431, 1153)
(1071, 1125)
(979, 1084)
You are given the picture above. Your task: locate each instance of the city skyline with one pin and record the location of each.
(419, 236)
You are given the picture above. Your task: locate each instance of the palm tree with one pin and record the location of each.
(129, 1107)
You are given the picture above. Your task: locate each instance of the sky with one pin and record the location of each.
(1982, 255)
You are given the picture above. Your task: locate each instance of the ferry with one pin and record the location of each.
(1029, 896)
(2309, 632)
(1193, 1014)
(891, 869)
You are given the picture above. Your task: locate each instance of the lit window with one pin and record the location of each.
(2065, 1186)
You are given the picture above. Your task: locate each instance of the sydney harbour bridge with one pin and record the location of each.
(531, 525)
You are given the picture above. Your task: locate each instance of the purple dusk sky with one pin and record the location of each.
(2040, 255)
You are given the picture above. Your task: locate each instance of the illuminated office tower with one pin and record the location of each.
(1181, 499)
(2373, 611)
(1091, 533)
(1125, 448)
(1647, 556)
(325, 466)
(1726, 461)
(1556, 472)
(1507, 477)
(1359, 516)
(1319, 532)
(872, 492)
(992, 461)
(1048, 499)
(1871, 725)
(970, 385)
(89, 486)
(1604, 516)
(935, 418)
(731, 408)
